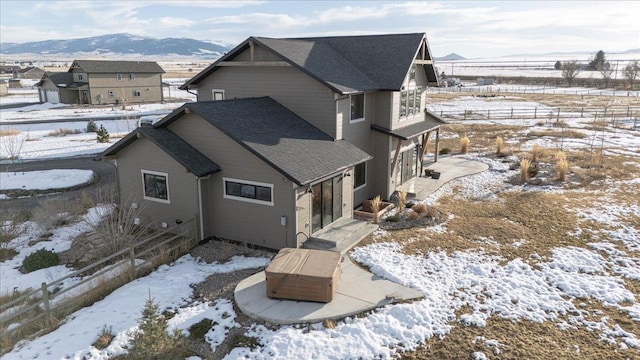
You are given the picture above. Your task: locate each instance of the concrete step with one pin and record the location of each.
(340, 236)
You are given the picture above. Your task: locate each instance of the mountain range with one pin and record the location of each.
(124, 44)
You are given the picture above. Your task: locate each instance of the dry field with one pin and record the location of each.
(542, 216)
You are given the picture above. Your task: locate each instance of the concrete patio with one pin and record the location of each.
(358, 290)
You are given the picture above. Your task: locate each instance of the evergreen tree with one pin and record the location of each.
(151, 340)
(102, 135)
(598, 61)
(558, 65)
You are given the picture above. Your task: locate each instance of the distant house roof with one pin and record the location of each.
(61, 79)
(108, 67)
(192, 159)
(285, 141)
(430, 122)
(346, 64)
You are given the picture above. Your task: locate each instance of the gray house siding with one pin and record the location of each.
(149, 85)
(233, 219)
(290, 87)
(142, 154)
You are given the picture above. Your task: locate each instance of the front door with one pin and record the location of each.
(326, 206)
(84, 96)
(407, 166)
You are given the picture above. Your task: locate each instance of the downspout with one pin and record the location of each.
(196, 95)
(200, 215)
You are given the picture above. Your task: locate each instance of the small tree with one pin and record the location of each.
(631, 72)
(91, 126)
(598, 61)
(102, 135)
(570, 70)
(152, 340)
(607, 72)
(558, 65)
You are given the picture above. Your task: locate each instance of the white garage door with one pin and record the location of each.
(53, 96)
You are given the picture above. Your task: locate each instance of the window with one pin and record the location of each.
(217, 94)
(111, 94)
(80, 77)
(132, 76)
(119, 77)
(357, 107)
(359, 175)
(137, 93)
(410, 97)
(249, 191)
(155, 186)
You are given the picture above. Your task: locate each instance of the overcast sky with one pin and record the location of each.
(469, 28)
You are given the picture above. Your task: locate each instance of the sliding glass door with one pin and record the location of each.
(326, 204)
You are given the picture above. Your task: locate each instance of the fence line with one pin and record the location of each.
(181, 235)
(550, 90)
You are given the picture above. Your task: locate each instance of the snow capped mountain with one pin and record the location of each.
(123, 43)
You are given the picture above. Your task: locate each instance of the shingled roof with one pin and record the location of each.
(192, 159)
(346, 64)
(431, 122)
(112, 67)
(285, 141)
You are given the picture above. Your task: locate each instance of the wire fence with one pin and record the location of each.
(528, 89)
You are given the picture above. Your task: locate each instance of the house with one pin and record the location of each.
(287, 137)
(99, 82)
(30, 72)
(484, 81)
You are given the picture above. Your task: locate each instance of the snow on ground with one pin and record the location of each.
(169, 286)
(44, 179)
(60, 240)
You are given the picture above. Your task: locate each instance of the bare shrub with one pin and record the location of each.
(329, 324)
(376, 205)
(596, 159)
(562, 166)
(414, 216)
(86, 201)
(104, 338)
(464, 144)
(402, 201)
(499, 145)
(570, 70)
(419, 209)
(12, 146)
(524, 170)
(535, 152)
(121, 225)
(52, 213)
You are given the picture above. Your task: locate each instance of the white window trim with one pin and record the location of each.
(364, 109)
(132, 76)
(151, 172)
(365, 177)
(119, 77)
(248, 182)
(137, 91)
(214, 91)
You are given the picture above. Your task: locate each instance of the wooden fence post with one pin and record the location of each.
(535, 111)
(581, 112)
(558, 117)
(132, 258)
(46, 305)
(512, 113)
(488, 114)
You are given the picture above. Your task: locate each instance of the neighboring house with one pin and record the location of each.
(99, 82)
(28, 73)
(8, 69)
(287, 136)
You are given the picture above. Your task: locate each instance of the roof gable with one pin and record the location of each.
(113, 67)
(346, 64)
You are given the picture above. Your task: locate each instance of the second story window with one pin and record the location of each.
(132, 76)
(119, 77)
(80, 77)
(217, 94)
(357, 107)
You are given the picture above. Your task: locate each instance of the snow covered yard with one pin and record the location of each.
(543, 269)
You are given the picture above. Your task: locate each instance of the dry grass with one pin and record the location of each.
(464, 144)
(535, 152)
(402, 201)
(499, 145)
(63, 132)
(562, 166)
(419, 208)
(524, 170)
(562, 133)
(9, 132)
(376, 205)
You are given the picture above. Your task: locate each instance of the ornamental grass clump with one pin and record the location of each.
(535, 153)
(499, 145)
(464, 144)
(402, 201)
(376, 205)
(524, 170)
(562, 167)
